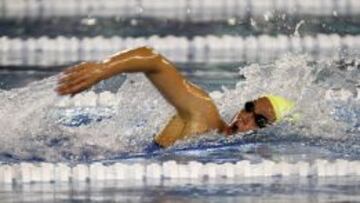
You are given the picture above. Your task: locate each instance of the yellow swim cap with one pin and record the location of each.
(281, 106)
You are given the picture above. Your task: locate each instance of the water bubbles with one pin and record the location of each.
(139, 10)
(335, 13)
(296, 33)
(253, 23)
(188, 11)
(133, 22)
(231, 21)
(268, 15)
(88, 21)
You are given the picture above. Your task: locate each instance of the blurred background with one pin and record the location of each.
(208, 39)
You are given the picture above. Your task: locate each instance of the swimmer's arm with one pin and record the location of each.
(184, 96)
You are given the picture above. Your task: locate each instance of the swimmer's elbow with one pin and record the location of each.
(148, 51)
(164, 140)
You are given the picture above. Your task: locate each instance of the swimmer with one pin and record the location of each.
(196, 111)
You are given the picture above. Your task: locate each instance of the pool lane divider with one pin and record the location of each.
(48, 172)
(46, 52)
(182, 10)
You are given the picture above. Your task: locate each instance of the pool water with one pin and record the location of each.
(274, 145)
(312, 59)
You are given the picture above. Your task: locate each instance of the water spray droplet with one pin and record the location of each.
(231, 21)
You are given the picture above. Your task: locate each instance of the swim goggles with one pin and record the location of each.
(260, 120)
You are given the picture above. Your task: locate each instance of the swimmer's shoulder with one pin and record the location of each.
(204, 118)
(180, 127)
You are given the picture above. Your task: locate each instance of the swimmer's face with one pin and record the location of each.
(255, 114)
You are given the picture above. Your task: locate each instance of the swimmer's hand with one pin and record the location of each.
(79, 78)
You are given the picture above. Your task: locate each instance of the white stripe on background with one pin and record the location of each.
(48, 172)
(46, 51)
(193, 10)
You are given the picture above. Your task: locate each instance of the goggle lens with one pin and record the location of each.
(260, 120)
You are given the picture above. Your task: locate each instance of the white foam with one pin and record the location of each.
(106, 98)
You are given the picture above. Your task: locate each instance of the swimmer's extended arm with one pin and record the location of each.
(183, 95)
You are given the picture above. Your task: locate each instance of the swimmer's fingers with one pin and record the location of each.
(78, 78)
(73, 90)
(64, 86)
(77, 85)
(70, 78)
(72, 74)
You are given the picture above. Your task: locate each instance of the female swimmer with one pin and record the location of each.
(196, 111)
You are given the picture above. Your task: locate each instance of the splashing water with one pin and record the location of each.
(316, 88)
(34, 127)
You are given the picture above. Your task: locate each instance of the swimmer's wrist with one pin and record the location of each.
(103, 70)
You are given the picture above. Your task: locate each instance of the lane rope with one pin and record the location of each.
(45, 51)
(60, 172)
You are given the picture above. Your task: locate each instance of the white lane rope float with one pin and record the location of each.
(60, 172)
(45, 51)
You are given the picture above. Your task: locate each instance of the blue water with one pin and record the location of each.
(253, 146)
(263, 144)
